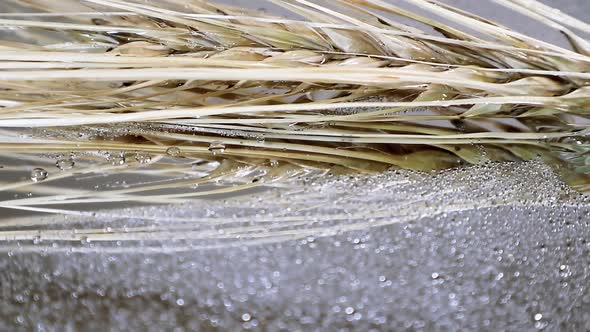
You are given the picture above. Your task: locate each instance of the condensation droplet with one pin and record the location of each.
(143, 158)
(173, 151)
(216, 148)
(117, 160)
(38, 174)
(65, 164)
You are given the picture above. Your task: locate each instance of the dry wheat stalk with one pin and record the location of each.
(347, 90)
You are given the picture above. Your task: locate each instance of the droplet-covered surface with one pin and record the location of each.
(495, 247)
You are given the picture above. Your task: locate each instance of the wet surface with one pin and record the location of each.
(488, 260)
(474, 271)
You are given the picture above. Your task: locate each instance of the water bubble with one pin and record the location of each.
(173, 151)
(538, 317)
(216, 148)
(38, 174)
(246, 317)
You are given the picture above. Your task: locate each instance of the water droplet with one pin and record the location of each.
(117, 160)
(180, 302)
(65, 164)
(143, 158)
(434, 275)
(38, 174)
(173, 151)
(349, 310)
(538, 317)
(216, 148)
(246, 317)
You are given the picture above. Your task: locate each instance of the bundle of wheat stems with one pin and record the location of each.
(203, 93)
